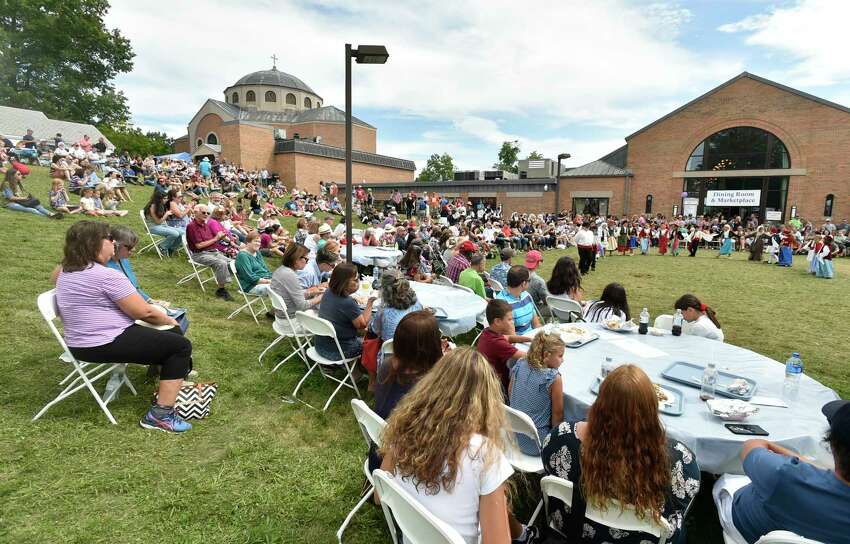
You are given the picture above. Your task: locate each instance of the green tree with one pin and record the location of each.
(508, 155)
(535, 156)
(438, 168)
(58, 57)
(136, 142)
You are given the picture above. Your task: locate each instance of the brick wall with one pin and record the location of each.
(256, 147)
(306, 171)
(817, 137)
(611, 188)
(181, 145)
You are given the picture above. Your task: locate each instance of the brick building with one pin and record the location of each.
(747, 146)
(271, 119)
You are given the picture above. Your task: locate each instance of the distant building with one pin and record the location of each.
(536, 168)
(14, 123)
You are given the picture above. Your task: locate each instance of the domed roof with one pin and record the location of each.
(275, 78)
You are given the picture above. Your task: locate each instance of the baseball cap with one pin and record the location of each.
(324, 228)
(507, 253)
(532, 259)
(468, 247)
(21, 167)
(837, 414)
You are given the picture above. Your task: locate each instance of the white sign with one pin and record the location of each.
(774, 215)
(733, 198)
(689, 206)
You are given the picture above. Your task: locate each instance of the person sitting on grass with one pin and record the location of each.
(251, 270)
(786, 492)
(700, 320)
(444, 443)
(621, 453)
(496, 342)
(612, 303)
(536, 388)
(17, 199)
(59, 199)
(343, 311)
(99, 307)
(285, 282)
(471, 276)
(91, 205)
(525, 317)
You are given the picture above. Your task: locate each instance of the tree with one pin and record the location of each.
(58, 57)
(135, 142)
(535, 156)
(508, 155)
(438, 168)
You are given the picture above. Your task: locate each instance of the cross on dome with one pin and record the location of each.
(274, 61)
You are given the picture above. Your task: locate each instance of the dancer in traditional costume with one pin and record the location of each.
(623, 239)
(678, 237)
(824, 258)
(786, 249)
(613, 235)
(644, 236)
(663, 239)
(773, 248)
(757, 245)
(633, 239)
(726, 241)
(694, 236)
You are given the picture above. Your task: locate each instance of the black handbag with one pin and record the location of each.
(30, 202)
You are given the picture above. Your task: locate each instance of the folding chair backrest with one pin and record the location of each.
(50, 312)
(144, 222)
(387, 347)
(463, 288)
(316, 325)
(615, 516)
(520, 423)
(664, 321)
(496, 286)
(232, 266)
(418, 524)
(186, 245)
(279, 304)
(565, 309)
(784, 537)
(371, 424)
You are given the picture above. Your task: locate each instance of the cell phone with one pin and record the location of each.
(742, 428)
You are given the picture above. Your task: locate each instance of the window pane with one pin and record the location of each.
(739, 148)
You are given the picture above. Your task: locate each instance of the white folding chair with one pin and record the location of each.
(463, 288)
(785, 537)
(386, 350)
(520, 423)
(418, 525)
(249, 302)
(495, 285)
(371, 425)
(197, 268)
(84, 374)
(664, 321)
(564, 309)
(289, 329)
(616, 516)
(442, 280)
(322, 327)
(154, 239)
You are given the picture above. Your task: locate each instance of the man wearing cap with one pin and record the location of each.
(471, 276)
(536, 285)
(460, 262)
(500, 271)
(788, 493)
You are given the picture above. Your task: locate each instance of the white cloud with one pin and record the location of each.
(812, 33)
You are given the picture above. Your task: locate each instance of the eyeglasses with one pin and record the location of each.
(205, 213)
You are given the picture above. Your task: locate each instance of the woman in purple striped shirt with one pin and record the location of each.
(99, 307)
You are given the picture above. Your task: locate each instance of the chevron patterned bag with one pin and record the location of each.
(195, 399)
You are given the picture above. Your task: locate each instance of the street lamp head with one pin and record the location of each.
(370, 54)
(563, 156)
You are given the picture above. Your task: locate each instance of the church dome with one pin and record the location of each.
(274, 78)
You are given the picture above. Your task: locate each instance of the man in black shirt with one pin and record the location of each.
(28, 139)
(100, 146)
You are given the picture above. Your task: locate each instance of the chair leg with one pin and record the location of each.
(73, 387)
(536, 511)
(309, 370)
(295, 352)
(273, 344)
(354, 510)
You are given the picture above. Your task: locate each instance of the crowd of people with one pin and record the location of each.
(444, 404)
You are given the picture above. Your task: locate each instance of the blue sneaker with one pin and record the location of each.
(170, 423)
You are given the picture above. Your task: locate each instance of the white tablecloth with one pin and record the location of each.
(461, 308)
(367, 255)
(800, 427)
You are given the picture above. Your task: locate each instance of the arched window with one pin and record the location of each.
(212, 138)
(648, 208)
(318, 103)
(250, 96)
(739, 148)
(307, 102)
(200, 142)
(270, 96)
(827, 205)
(290, 99)
(234, 98)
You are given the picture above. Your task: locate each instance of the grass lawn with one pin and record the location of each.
(259, 470)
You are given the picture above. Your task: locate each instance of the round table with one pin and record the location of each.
(370, 255)
(457, 310)
(800, 427)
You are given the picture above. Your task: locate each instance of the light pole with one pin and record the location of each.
(364, 54)
(561, 156)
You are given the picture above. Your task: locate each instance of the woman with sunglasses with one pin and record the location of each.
(99, 307)
(285, 282)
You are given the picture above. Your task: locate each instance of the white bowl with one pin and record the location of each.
(731, 409)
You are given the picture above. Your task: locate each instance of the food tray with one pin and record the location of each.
(583, 341)
(584, 338)
(675, 409)
(690, 374)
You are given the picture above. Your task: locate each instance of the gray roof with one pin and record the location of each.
(733, 80)
(328, 114)
(311, 148)
(275, 78)
(611, 165)
(14, 123)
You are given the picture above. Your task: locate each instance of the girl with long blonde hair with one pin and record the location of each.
(444, 444)
(622, 453)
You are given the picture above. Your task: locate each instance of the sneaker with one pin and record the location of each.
(223, 294)
(170, 423)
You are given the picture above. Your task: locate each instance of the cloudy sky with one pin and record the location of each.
(465, 75)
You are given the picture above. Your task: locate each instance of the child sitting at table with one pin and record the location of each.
(700, 319)
(496, 342)
(536, 388)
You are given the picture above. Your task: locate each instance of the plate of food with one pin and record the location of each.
(574, 336)
(617, 325)
(731, 409)
(671, 401)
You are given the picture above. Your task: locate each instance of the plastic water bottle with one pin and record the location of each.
(793, 374)
(709, 380)
(678, 318)
(112, 385)
(643, 328)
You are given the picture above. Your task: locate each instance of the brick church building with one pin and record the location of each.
(271, 119)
